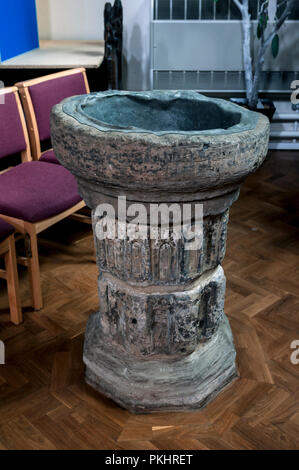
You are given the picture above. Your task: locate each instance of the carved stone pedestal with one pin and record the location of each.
(161, 340)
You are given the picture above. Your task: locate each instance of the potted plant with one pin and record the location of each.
(271, 16)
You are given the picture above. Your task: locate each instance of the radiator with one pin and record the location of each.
(196, 45)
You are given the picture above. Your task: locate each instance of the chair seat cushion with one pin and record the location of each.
(49, 157)
(5, 229)
(36, 191)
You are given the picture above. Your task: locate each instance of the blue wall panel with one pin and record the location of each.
(18, 27)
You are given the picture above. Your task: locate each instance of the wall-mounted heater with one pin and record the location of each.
(196, 44)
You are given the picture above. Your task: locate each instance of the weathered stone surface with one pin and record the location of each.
(161, 262)
(178, 384)
(147, 161)
(161, 340)
(152, 321)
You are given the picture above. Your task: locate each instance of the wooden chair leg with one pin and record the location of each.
(34, 272)
(13, 283)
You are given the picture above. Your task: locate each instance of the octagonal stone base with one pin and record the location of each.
(187, 383)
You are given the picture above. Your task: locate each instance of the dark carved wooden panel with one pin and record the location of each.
(113, 18)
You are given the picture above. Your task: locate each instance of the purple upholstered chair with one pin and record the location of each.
(39, 96)
(13, 131)
(10, 273)
(33, 195)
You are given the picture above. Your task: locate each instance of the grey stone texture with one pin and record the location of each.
(160, 261)
(161, 339)
(187, 382)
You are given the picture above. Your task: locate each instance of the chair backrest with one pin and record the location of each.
(13, 130)
(41, 94)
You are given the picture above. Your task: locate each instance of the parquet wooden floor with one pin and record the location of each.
(44, 403)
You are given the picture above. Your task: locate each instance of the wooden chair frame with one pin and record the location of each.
(31, 230)
(26, 154)
(31, 260)
(10, 273)
(23, 88)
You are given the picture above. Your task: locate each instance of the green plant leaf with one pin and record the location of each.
(262, 24)
(266, 17)
(263, 20)
(275, 46)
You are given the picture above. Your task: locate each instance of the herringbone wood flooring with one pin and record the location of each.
(44, 403)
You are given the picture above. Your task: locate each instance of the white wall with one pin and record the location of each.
(70, 19)
(83, 19)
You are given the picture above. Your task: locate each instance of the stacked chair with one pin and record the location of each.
(39, 96)
(34, 195)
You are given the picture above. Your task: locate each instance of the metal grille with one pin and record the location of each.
(224, 81)
(198, 11)
(206, 10)
(285, 128)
